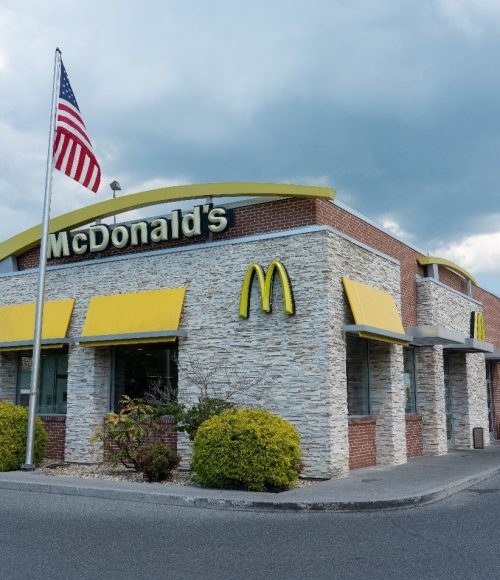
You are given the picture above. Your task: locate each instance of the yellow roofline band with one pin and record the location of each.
(429, 260)
(30, 238)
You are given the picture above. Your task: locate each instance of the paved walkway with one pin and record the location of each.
(422, 480)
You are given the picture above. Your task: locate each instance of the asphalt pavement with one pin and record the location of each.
(420, 481)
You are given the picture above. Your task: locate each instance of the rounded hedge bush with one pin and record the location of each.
(13, 430)
(247, 449)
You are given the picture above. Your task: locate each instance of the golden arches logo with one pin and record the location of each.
(266, 282)
(477, 326)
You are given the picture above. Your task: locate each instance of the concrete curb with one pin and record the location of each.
(241, 504)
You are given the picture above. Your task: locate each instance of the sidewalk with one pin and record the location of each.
(422, 480)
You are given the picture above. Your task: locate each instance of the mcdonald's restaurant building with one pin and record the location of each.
(375, 351)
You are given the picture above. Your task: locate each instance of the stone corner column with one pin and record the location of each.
(88, 401)
(387, 401)
(478, 393)
(431, 399)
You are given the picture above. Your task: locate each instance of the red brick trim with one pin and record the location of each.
(56, 428)
(362, 444)
(414, 445)
(167, 434)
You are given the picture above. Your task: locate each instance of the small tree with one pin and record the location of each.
(131, 438)
(216, 382)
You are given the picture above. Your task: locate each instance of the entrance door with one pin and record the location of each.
(448, 398)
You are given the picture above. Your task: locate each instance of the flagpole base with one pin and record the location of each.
(28, 467)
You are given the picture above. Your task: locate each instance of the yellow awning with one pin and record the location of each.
(17, 324)
(375, 313)
(136, 318)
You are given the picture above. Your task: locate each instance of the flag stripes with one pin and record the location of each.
(73, 154)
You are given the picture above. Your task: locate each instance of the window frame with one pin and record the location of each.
(366, 376)
(412, 351)
(29, 353)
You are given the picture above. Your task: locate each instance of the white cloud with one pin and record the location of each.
(390, 224)
(471, 17)
(479, 254)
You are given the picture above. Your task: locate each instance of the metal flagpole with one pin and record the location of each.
(35, 365)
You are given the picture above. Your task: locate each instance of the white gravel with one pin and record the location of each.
(120, 473)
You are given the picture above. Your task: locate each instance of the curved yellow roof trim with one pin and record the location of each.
(31, 238)
(428, 260)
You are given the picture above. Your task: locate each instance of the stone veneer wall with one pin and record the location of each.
(287, 355)
(8, 375)
(469, 397)
(357, 263)
(297, 362)
(438, 305)
(88, 400)
(431, 399)
(388, 401)
(441, 306)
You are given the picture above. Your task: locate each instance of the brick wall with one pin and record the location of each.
(414, 446)
(452, 280)
(248, 220)
(291, 213)
(166, 433)
(340, 219)
(362, 446)
(491, 313)
(56, 428)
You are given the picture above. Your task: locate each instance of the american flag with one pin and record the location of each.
(73, 153)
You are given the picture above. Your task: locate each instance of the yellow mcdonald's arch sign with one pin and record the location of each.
(266, 282)
(477, 326)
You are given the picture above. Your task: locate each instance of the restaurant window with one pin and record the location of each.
(53, 387)
(358, 376)
(410, 380)
(138, 370)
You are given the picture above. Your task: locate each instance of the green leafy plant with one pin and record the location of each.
(157, 461)
(130, 437)
(13, 431)
(247, 449)
(193, 417)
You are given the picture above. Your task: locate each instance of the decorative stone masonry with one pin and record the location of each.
(8, 366)
(431, 399)
(441, 306)
(56, 429)
(468, 396)
(387, 401)
(362, 445)
(414, 446)
(88, 401)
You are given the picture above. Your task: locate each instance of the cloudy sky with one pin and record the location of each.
(396, 105)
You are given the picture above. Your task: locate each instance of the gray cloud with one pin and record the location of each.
(393, 104)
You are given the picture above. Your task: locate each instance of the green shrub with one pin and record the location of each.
(13, 432)
(247, 449)
(192, 417)
(131, 438)
(157, 461)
